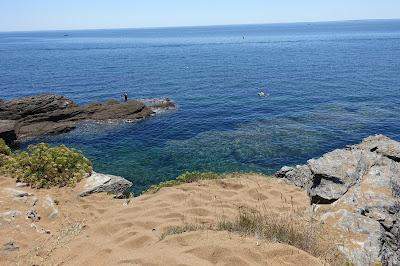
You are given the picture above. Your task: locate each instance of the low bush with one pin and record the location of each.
(43, 166)
(4, 149)
(187, 177)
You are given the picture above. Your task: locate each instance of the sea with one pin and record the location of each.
(327, 85)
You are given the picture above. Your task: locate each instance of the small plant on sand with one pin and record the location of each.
(4, 149)
(187, 177)
(43, 166)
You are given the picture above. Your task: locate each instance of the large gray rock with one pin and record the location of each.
(97, 183)
(382, 145)
(391, 245)
(359, 188)
(362, 236)
(335, 172)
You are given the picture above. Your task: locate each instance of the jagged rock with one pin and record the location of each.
(300, 175)
(10, 246)
(335, 172)
(391, 245)
(7, 131)
(382, 145)
(51, 114)
(361, 184)
(362, 236)
(105, 183)
(33, 215)
(17, 193)
(10, 214)
(49, 203)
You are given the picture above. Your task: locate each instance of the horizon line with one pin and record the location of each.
(197, 26)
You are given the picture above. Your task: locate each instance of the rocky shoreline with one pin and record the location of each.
(52, 114)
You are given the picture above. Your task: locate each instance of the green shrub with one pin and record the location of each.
(4, 149)
(44, 166)
(187, 177)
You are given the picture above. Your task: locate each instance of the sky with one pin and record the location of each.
(32, 15)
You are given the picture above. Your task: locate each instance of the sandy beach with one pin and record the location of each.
(99, 230)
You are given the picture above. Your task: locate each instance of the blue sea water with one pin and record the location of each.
(330, 84)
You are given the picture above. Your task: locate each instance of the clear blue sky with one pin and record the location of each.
(18, 15)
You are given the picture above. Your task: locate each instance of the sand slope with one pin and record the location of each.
(100, 231)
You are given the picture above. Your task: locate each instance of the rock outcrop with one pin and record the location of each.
(52, 114)
(356, 191)
(28, 106)
(105, 183)
(7, 131)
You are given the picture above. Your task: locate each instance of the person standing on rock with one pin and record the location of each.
(125, 97)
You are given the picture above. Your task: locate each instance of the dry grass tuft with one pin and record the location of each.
(180, 229)
(290, 228)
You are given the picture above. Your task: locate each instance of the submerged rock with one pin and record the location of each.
(359, 189)
(105, 183)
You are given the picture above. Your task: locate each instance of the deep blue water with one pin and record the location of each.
(331, 84)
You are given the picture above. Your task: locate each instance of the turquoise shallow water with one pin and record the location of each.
(330, 84)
